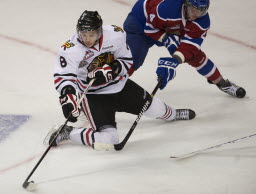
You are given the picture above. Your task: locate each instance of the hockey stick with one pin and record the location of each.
(210, 148)
(30, 185)
(120, 146)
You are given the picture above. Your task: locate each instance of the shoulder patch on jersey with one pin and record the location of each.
(67, 44)
(88, 54)
(117, 28)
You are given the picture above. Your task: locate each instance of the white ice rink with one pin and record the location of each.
(31, 31)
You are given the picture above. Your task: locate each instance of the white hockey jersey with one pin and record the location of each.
(74, 61)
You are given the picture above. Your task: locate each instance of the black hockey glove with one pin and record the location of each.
(102, 74)
(68, 101)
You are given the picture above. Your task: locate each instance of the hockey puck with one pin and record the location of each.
(30, 186)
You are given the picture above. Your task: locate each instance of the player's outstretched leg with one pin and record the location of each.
(63, 136)
(231, 88)
(184, 114)
(208, 69)
(159, 110)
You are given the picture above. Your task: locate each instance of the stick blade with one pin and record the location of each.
(29, 186)
(25, 184)
(183, 156)
(103, 147)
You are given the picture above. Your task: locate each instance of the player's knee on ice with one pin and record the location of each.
(87, 136)
(107, 135)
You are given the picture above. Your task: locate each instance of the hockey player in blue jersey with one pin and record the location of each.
(181, 26)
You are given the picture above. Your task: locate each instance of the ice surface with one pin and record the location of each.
(30, 35)
(10, 123)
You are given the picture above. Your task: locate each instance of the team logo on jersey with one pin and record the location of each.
(88, 54)
(67, 44)
(100, 60)
(117, 28)
(82, 63)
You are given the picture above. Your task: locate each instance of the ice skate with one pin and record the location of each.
(231, 89)
(63, 136)
(184, 114)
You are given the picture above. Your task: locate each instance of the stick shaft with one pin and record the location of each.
(25, 184)
(213, 147)
(121, 145)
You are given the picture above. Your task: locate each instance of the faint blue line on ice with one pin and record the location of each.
(10, 123)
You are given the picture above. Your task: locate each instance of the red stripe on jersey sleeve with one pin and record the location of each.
(57, 80)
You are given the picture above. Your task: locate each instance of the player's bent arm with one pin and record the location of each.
(123, 56)
(65, 72)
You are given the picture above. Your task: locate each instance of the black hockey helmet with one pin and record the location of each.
(89, 21)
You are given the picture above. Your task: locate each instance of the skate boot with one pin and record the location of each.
(63, 136)
(184, 114)
(231, 88)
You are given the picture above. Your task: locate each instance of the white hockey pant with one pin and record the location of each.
(109, 135)
(87, 136)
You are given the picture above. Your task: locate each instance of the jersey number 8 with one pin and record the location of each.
(63, 62)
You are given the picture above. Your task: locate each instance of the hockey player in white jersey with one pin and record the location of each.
(101, 53)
